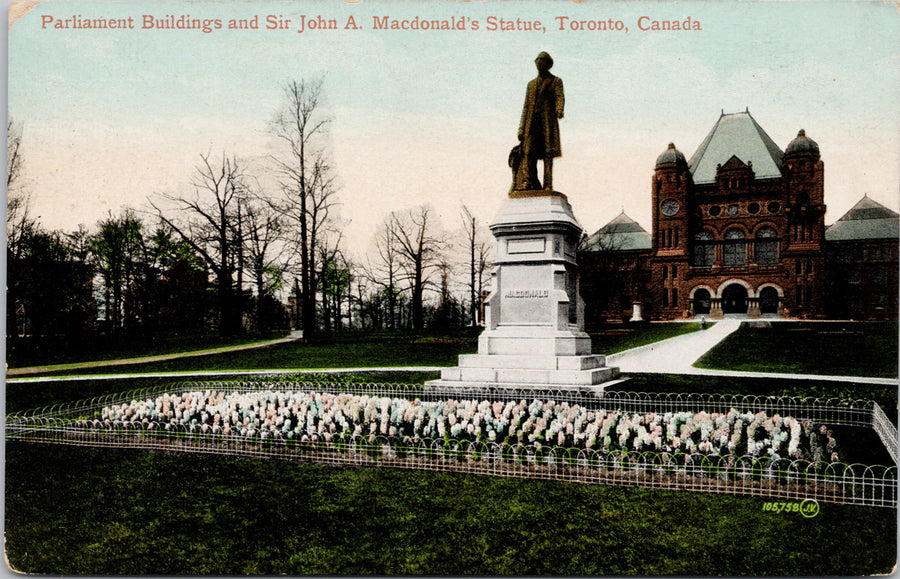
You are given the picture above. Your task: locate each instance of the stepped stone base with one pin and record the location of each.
(461, 389)
(534, 335)
(521, 372)
(574, 370)
(526, 342)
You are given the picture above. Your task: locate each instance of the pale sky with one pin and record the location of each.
(114, 116)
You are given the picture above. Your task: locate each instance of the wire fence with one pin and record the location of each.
(744, 475)
(827, 411)
(771, 477)
(886, 431)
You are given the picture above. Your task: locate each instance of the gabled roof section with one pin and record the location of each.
(621, 234)
(734, 163)
(867, 219)
(738, 135)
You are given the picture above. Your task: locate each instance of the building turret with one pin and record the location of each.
(802, 146)
(672, 184)
(804, 171)
(805, 176)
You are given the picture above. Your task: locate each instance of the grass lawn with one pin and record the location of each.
(25, 352)
(72, 510)
(372, 349)
(835, 348)
(350, 351)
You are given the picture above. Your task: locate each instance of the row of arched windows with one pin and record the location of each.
(735, 248)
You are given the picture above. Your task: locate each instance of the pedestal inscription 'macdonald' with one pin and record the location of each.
(534, 335)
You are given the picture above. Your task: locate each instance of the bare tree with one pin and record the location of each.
(18, 220)
(478, 249)
(334, 278)
(261, 232)
(307, 184)
(209, 224)
(19, 226)
(385, 269)
(13, 156)
(420, 247)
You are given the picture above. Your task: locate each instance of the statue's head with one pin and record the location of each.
(543, 62)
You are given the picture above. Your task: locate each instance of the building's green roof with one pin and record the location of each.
(621, 234)
(867, 219)
(736, 135)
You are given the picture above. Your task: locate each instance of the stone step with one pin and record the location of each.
(532, 362)
(460, 389)
(494, 344)
(529, 375)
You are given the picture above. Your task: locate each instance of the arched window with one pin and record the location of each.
(735, 250)
(766, 246)
(702, 302)
(768, 300)
(704, 250)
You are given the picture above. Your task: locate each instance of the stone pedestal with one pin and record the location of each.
(715, 312)
(636, 312)
(534, 335)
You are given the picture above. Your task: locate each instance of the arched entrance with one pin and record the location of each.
(768, 300)
(734, 299)
(702, 302)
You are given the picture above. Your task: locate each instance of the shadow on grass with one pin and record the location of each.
(98, 511)
(827, 348)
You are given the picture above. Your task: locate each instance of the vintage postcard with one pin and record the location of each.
(452, 287)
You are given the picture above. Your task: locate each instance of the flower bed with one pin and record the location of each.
(310, 417)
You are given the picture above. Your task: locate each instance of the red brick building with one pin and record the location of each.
(739, 229)
(861, 263)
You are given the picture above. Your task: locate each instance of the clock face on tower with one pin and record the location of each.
(669, 207)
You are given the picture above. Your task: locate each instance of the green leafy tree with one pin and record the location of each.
(119, 253)
(55, 297)
(176, 284)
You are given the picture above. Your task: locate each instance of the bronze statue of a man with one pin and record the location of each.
(539, 127)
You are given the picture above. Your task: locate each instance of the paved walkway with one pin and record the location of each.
(675, 355)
